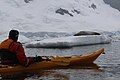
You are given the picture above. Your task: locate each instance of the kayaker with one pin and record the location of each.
(12, 52)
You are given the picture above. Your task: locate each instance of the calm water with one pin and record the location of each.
(109, 64)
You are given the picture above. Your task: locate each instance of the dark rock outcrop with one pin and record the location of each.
(86, 33)
(63, 11)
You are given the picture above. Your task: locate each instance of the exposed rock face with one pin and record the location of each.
(63, 11)
(27, 1)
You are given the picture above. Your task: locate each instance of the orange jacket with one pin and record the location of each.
(16, 47)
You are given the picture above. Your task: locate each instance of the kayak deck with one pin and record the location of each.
(55, 62)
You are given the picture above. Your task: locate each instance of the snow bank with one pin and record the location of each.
(69, 41)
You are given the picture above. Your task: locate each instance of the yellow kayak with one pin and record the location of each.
(55, 62)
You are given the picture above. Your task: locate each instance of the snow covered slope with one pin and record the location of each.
(58, 15)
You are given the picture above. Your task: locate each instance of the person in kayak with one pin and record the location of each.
(12, 52)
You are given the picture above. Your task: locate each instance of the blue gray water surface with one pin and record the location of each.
(109, 64)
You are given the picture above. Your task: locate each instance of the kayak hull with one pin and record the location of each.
(55, 62)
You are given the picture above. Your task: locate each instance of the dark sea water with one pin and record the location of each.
(109, 64)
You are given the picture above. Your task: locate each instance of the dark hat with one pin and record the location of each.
(13, 34)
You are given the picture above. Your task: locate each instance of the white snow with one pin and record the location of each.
(69, 41)
(40, 15)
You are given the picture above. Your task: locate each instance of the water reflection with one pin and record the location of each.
(53, 74)
(40, 75)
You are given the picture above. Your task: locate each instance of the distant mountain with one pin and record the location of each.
(113, 3)
(57, 15)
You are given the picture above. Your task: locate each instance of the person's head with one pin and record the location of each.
(13, 34)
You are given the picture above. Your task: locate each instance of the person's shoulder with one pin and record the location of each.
(7, 40)
(19, 43)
